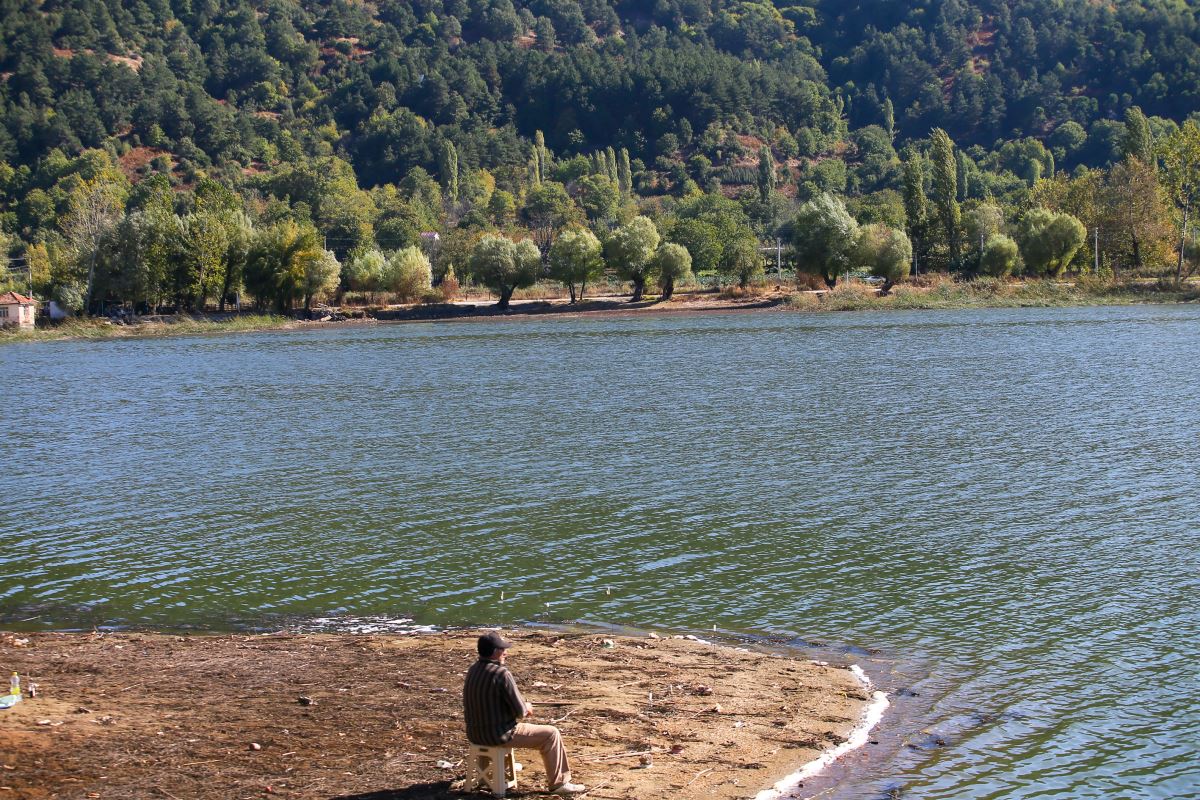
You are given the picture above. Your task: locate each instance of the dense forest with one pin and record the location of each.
(180, 151)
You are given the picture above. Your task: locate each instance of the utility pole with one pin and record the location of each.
(6, 267)
(1096, 249)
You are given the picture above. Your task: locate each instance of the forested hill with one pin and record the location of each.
(225, 86)
(175, 153)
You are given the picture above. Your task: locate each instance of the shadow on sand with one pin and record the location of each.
(438, 790)
(418, 791)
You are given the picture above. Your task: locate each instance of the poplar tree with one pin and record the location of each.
(916, 206)
(448, 166)
(945, 190)
(1139, 140)
(539, 163)
(543, 156)
(624, 174)
(766, 173)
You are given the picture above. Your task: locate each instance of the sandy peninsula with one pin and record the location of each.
(378, 717)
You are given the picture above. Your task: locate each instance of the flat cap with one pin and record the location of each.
(491, 642)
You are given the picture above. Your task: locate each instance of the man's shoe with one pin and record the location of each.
(568, 789)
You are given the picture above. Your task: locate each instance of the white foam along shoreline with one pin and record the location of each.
(858, 737)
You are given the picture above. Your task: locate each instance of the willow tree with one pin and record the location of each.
(363, 272)
(203, 251)
(319, 276)
(1000, 256)
(277, 263)
(504, 266)
(1049, 241)
(576, 259)
(407, 274)
(672, 263)
(824, 238)
(628, 251)
(886, 252)
(742, 260)
(548, 208)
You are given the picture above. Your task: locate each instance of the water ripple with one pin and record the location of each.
(999, 499)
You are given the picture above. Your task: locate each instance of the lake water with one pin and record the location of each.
(993, 511)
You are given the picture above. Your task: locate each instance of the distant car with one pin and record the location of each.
(874, 280)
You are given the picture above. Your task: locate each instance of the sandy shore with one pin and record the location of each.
(944, 294)
(378, 717)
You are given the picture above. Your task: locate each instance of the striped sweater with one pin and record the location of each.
(492, 704)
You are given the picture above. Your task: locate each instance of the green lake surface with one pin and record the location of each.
(993, 511)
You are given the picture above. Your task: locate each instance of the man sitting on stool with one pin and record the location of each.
(492, 704)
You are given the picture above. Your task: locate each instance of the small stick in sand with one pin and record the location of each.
(619, 756)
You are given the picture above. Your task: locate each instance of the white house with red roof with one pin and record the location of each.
(17, 310)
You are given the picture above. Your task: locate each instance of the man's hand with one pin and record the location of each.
(528, 709)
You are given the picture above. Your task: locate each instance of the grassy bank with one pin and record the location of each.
(944, 293)
(157, 326)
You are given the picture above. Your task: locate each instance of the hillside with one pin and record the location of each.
(444, 114)
(223, 82)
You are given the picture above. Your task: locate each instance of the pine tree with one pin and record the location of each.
(610, 164)
(889, 117)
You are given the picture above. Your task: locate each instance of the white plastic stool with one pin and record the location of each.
(493, 768)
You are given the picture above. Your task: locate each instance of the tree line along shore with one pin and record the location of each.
(111, 245)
